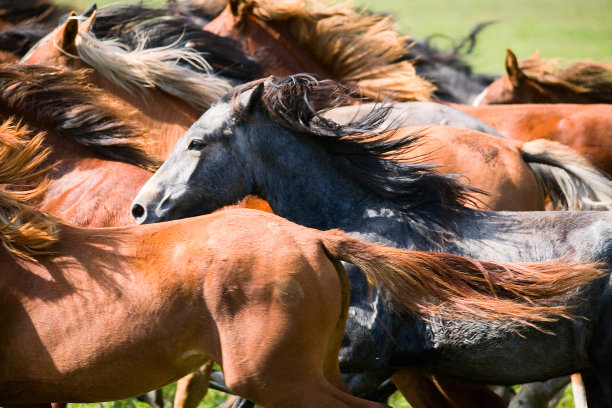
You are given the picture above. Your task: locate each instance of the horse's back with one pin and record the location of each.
(491, 164)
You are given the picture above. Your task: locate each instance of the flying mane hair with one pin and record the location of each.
(64, 101)
(355, 47)
(24, 230)
(427, 199)
(177, 25)
(590, 79)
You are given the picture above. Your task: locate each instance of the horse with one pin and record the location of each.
(497, 166)
(129, 76)
(583, 127)
(207, 293)
(269, 138)
(534, 80)
(98, 154)
(501, 197)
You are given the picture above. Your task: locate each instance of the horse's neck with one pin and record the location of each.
(166, 117)
(301, 184)
(88, 190)
(270, 42)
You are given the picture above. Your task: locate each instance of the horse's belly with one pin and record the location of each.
(493, 353)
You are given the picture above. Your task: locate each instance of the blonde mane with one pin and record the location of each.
(356, 48)
(582, 77)
(24, 230)
(153, 67)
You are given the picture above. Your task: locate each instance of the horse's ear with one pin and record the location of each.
(66, 35)
(512, 68)
(536, 54)
(250, 99)
(88, 24)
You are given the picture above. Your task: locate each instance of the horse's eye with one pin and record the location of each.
(196, 145)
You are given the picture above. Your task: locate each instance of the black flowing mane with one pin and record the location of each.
(362, 150)
(64, 101)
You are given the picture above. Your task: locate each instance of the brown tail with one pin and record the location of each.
(459, 287)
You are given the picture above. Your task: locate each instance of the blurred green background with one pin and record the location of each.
(557, 28)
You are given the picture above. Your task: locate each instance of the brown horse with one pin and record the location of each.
(209, 286)
(98, 160)
(585, 128)
(533, 80)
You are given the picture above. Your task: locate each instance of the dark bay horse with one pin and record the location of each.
(535, 80)
(78, 327)
(269, 139)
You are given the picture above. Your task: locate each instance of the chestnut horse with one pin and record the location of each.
(78, 328)
(534, 80)
(584, 128)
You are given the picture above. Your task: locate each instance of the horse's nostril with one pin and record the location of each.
(138, 211)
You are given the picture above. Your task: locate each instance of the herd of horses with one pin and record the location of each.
(328, 216)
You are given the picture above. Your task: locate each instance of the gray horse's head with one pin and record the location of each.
(201, 174)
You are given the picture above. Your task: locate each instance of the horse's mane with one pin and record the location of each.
(136, 68)
(355, 47)
(176, 25)
(64, 101)
(24, 230)
(364, 152)
(587, 78)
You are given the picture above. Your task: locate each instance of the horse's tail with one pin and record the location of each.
(568, 179)
(453, 286)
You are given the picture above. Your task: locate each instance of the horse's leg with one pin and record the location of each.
(464, 395)
(153, 398)
(419, 390)
(538, 394)
(594, 389)
(282, 351)
(191, 389)
(580, 400)
(598, 389)
(240, 402)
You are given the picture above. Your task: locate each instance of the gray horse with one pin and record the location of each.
(269, 140)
